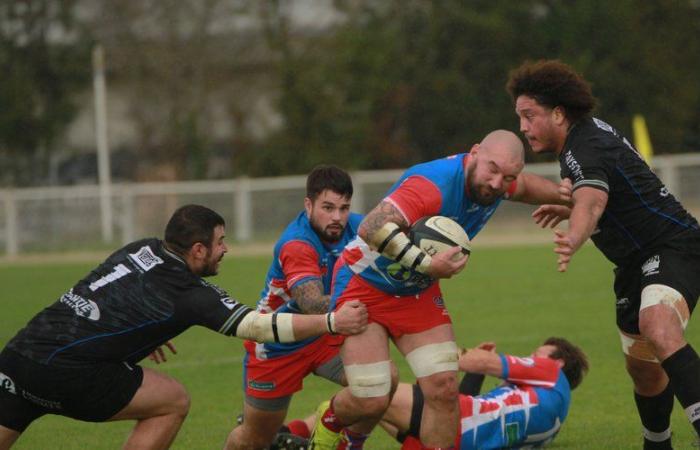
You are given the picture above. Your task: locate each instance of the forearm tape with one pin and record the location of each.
(275, 327)
(394, 244)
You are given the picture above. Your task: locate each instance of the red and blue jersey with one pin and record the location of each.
(434, 188)
(299, 256)
(527, 410)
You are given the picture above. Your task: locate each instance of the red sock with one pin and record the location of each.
(299, 428)
(330, 420)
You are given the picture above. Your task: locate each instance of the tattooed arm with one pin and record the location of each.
(383, 213)
(310, 297)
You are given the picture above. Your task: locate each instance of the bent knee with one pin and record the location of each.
(180, 401)
(441, 387)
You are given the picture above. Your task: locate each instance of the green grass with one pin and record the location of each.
(511, 295)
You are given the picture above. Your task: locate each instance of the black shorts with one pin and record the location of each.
(28, 390)
(676, 264)
(416, 415)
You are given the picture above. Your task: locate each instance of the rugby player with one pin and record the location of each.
(398, 284)
(298, 281)
(79, 356)
(635, 222)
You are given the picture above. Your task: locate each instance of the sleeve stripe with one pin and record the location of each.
(505, 368)
(592, 183)
(231, 325)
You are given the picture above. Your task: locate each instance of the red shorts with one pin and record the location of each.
(398, 314)
(282, 376)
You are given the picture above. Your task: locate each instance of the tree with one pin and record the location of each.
(45, 58)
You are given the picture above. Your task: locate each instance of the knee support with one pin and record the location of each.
(369, 380)
(433, 358)
(659, 294)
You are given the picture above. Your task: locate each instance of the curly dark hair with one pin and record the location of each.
(552, 83)
(575, 361)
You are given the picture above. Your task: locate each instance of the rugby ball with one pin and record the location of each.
(437, 233)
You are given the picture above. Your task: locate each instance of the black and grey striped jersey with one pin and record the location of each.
(641, 213)
(140, 297)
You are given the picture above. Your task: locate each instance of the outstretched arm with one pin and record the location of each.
(351, 318)
(537, 190)
(481, 360)
(588, 205)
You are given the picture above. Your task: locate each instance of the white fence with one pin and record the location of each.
(69, 218)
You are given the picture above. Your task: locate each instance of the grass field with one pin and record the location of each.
(511, 295)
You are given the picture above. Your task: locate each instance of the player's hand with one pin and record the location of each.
(564, 247)
(566, 188)
(351, 318)
(551, 215)
(447, 263)
(158, 355)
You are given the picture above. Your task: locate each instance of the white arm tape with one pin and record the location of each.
(394, 244)
(369, 380)
(433, 358)
(275, 327)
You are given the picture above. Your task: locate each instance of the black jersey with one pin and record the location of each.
(140, 297)
(641, 213)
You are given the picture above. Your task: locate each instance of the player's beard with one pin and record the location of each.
(329, 234)
(476, 195)
(211, 267)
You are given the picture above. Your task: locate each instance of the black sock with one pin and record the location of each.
(655, 413)
(683, 369)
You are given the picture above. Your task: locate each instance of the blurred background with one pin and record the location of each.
(115, 112)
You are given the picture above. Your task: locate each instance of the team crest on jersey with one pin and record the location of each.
(81, 306)
(229, 302)
(439, 302)
(651, 266)
(7, 384)
(145, 258)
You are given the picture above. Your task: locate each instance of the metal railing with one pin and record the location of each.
(62, 218)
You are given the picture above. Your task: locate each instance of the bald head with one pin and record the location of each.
(493, 166)
(504, 143)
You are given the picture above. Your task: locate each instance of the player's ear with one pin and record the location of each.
(308, 204)
(474, 150)
(560, 363)
(199, 250)
(559, 115)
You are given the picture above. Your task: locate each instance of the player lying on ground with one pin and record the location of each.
(529, 408)
(79, 357)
